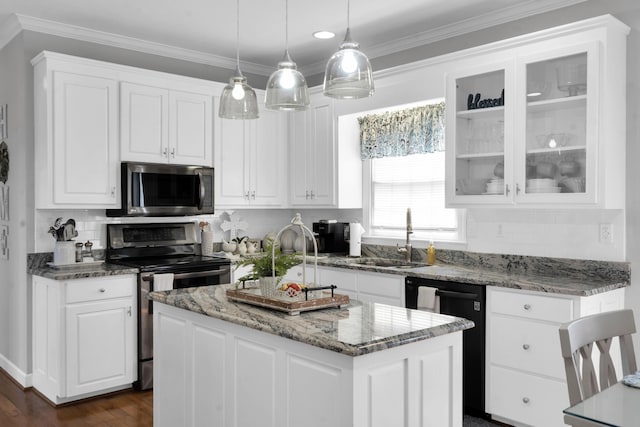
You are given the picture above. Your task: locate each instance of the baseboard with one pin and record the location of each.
(22, 378)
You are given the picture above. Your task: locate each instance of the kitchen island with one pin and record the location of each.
(367, 364)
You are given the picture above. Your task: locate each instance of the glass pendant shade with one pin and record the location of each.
(238, 99)
(287, 89)
(348, 74)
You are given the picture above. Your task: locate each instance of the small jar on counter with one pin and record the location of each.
(79, 252)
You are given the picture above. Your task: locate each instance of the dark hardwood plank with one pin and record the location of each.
(26, 408)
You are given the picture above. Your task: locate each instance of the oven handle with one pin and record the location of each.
(191, 275)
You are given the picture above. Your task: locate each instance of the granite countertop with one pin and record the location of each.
(355, 330)
(81, 271)
(566, 277)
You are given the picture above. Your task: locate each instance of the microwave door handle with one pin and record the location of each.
(201, 192)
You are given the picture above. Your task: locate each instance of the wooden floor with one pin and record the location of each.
(19, 408)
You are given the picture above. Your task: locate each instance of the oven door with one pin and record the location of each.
(211, 275)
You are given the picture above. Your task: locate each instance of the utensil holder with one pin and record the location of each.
(64, 252)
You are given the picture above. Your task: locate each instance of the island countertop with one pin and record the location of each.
(355, 330)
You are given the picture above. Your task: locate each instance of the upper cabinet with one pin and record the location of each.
(162, 125)
(322, 172)
(76, 135)
(542, 122)
(251, 161)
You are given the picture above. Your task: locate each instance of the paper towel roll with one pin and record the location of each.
(355, 238)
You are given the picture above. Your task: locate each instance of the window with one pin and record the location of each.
(415, 181)
(403, 153)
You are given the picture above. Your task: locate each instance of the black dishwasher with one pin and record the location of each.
(467, 301)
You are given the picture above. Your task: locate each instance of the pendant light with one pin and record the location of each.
(238, 99)
(287, 88)
(348, 73)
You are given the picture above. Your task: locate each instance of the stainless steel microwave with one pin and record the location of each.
(165, 190)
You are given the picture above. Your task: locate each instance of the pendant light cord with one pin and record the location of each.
(286, 24)
(238, 34)
(348, 12)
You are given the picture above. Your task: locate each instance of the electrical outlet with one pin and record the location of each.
(606, 233)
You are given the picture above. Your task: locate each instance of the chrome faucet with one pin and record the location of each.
(406, 249)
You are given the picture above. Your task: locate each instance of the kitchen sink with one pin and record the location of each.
(386, 262)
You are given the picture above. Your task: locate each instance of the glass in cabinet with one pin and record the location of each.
(478, 137)
(560, 92)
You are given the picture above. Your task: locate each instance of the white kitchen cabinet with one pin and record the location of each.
(322, 173)
(540, 123)
(251, 161)
(164, 125)
(525, 372)
(358, 284)
(84, 340)
(76, 134)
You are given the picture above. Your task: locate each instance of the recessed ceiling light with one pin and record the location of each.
(323, 35)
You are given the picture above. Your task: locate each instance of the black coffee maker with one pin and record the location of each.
(332, 236)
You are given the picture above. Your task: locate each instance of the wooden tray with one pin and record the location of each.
(285, 303)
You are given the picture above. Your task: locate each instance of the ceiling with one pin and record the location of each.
(206, 30)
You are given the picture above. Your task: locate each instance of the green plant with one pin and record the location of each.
(262, 264)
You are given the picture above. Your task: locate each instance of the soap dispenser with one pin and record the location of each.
(431, 254)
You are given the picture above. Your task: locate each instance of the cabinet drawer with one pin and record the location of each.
(526, 345)
(532, 306)
(93, 289)
(342, 278)
(527, 399)
(387, 285)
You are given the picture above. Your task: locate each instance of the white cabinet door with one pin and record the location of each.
(313, 165)
(85, 157)
(250, 161)
(144, 118)
(100, 345)
(190, 128)
(160, 125)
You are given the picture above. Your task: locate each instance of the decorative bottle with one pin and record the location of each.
(431, 254)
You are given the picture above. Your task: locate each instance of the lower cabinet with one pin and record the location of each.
(525, 372)
(358, 284)
(83, 336)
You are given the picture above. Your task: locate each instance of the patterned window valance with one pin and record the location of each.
(403, 132)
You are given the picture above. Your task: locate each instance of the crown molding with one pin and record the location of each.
(480, 22)
(17, 22)
(30, 23)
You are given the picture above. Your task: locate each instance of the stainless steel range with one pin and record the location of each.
(161, 248)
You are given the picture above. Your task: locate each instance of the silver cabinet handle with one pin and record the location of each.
(306, 194)
(527, 307)
(517, 188)
(129, 311)
(246, 195)
(173, 153)
(313, 196)
(102, 290)
(165, 153)
(525, 400)
(113, 192)
(525, 346)
(253, 195)
(507, 189)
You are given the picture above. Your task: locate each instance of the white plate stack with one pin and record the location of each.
(543, 185)
(495, 186)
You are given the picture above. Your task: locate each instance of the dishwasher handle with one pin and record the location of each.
(456, 295)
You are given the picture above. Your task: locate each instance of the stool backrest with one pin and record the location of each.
(577, 339)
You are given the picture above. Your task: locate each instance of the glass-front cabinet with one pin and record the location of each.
(540, 124)
(478, 135)
(560, 126)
